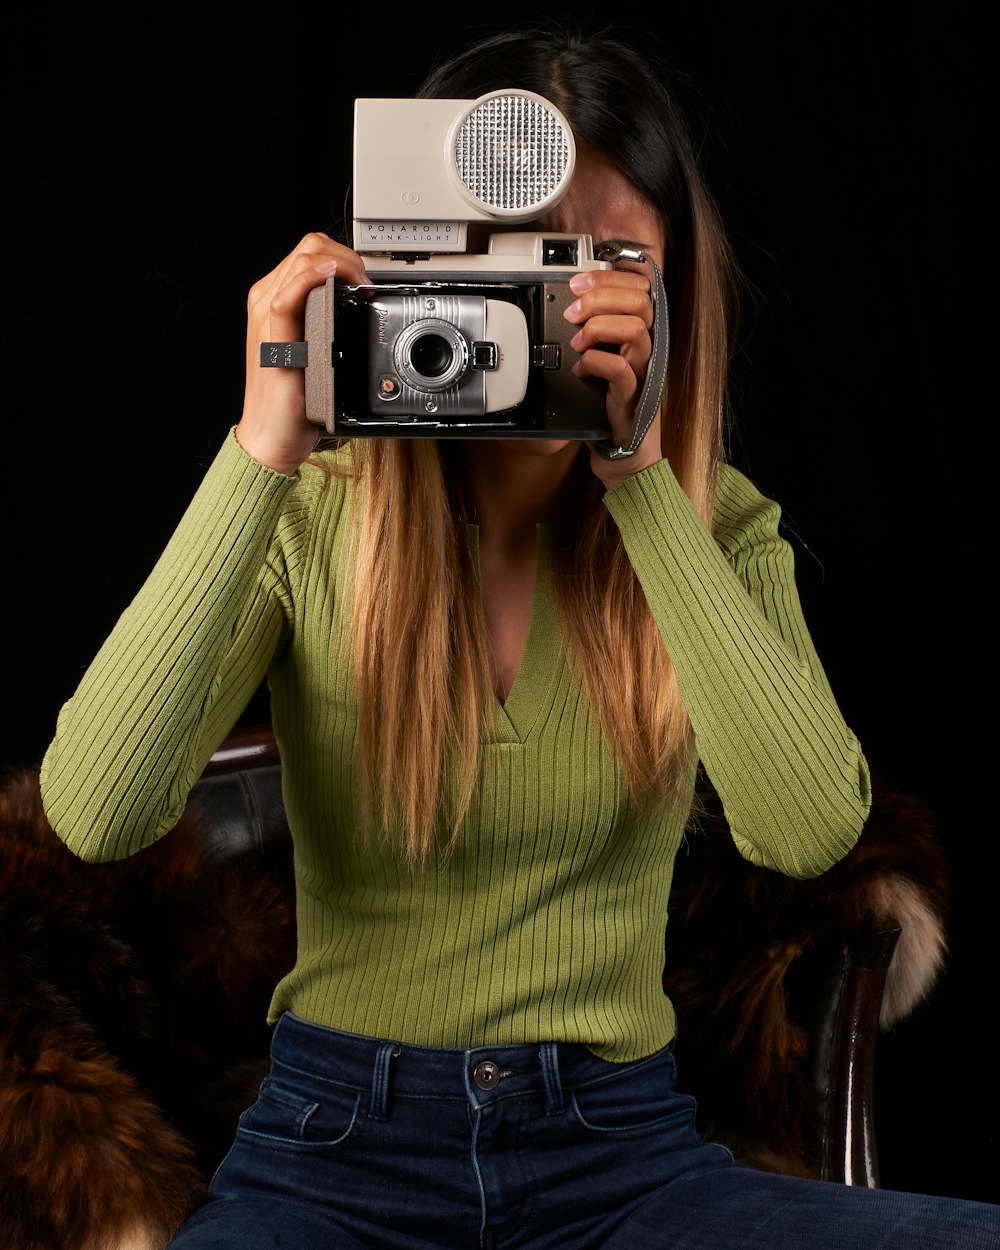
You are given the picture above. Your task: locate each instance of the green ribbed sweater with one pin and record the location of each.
(547, 920)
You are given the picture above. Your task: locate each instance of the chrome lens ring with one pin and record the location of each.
(431, 354)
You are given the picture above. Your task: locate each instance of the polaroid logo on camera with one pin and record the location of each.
(382, 320)
(455, 341)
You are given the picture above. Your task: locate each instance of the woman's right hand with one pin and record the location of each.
(273, 428)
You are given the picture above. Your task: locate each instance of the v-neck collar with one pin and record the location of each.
(515, 718)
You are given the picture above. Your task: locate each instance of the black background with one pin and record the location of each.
(158, 162)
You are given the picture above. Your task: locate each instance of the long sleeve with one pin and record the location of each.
(790, 773)
(176, 671)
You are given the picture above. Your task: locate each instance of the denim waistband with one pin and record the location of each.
(478, 1074)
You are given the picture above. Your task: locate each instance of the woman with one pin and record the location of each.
(494, 666)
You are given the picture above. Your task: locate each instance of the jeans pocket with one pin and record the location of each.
(632, 1097)
(284, 1115)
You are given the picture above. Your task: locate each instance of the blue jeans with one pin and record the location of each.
(361, 1144)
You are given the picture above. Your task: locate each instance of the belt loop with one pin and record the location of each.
(379, 1109)
(554, 1104)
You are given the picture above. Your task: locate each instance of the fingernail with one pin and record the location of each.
(573, 311)
(581, 282)
(577, 340)
(326, 268)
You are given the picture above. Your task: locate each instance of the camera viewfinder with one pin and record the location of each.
(560, 252)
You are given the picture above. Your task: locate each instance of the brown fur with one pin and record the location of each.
(743, 951)
(133, 999)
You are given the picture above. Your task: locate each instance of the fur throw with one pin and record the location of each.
(132, 1003)
(748, 952)
(133, 997)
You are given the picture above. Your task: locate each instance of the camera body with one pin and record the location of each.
(454, 342)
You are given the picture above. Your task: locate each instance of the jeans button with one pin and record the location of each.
(486, 1074)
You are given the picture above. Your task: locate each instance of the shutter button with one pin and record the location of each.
(486, 1074)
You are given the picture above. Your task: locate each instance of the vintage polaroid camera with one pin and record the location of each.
(455, 342)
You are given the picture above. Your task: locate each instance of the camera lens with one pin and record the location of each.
(431, 355)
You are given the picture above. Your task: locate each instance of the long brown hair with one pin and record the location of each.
(420, 653)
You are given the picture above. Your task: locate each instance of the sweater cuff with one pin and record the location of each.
(653, 499)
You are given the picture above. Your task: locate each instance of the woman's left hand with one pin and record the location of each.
(613, 307)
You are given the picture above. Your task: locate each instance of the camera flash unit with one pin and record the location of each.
(507, 156)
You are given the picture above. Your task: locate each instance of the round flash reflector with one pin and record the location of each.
(513, 154)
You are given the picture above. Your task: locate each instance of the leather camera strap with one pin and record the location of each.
(656, 374)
